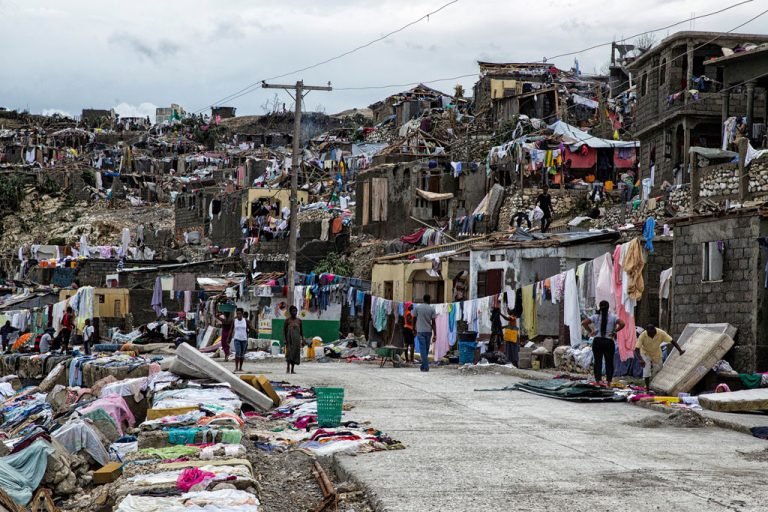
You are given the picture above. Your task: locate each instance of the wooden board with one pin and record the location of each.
(680, 374)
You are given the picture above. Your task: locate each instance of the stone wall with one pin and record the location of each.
(719, 180)
(736, 298)
(564, 204)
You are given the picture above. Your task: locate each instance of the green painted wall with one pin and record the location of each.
(326, 329)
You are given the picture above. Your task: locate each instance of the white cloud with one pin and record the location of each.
(141, 110)
(197, 52)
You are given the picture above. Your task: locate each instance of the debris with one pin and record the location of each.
(682, 418)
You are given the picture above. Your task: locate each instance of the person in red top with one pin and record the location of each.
(67, 326)
(408, 333)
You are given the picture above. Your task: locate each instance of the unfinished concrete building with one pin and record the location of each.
(680, 105)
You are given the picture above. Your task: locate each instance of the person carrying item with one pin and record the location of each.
(511, 339)
(293, 334)
(409, 334)
(425, 328)
(88, 336)
(648, 352)
(544, 202)
(225, 321)
(603, 327)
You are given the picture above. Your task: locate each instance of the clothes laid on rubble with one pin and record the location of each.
(22, 472)
(77, 435)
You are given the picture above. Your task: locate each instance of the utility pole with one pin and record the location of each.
(299, 89)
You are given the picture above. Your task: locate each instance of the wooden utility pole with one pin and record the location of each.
(299, 89)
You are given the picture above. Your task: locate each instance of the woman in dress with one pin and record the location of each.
(293, 334)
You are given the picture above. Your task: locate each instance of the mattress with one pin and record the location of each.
(680, 374)
(736, 401)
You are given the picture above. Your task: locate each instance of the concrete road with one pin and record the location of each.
(507, 450)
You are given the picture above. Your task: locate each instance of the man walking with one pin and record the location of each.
(425, 327)
(544, 201)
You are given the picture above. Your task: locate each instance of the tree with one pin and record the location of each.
(458, 92)
(645, 42)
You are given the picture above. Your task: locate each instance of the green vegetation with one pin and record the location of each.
(334, 263)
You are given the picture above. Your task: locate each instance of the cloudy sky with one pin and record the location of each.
(67, 55)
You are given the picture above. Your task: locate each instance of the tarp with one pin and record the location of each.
(710, 153)
(21, 473)
(434, 196)
(576, 138)
(565, 389)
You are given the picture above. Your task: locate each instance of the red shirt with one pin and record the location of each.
(66, 322)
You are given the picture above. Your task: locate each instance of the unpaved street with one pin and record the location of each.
(506, 450)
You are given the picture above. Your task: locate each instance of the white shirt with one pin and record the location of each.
(45, 343)
(88, 333)
(286, 212)
(344, 202)
(241, 330)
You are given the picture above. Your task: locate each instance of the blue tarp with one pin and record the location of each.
(21, 473)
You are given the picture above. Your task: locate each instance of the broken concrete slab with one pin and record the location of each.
(197, 361)
(736, 401)
(681, 373)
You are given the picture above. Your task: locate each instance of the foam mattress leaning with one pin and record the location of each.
(197, 361)
(736, 401)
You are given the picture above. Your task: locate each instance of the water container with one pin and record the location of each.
(468, 336)
(275, 348)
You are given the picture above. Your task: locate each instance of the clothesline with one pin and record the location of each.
(615, 278)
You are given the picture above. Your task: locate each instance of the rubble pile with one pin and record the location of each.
(565, 205)
(364, 252)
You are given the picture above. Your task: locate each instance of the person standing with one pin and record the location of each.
(225, 320)
(240, 339)
(409, 334)
(88, 336)
(648, 352)
(603, 327)
(293, 334)
(425, 328)
(544, 201)
(5, 333)
(67, 328)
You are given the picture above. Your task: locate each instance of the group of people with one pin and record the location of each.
(69, 335)
(604, 325)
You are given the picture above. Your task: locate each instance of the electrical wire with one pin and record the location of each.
(257, 84)
(358, 88)
(650, 31)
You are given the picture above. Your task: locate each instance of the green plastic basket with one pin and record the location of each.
(329, 406)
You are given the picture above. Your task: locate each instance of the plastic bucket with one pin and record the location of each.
(467, 351)
(468, 336)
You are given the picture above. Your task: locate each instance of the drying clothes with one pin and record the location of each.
(324, 225)
(231, 436)
(22, 472)
(157, 297)
(442, 346)
(604, 281)
(80, 435)
(626, 339)
(452, 314)
(632, 263)
(665, 280)
(529, 311)
(191, 477)
(649, 233)
(117, 409)
(572, 313)
(182, 435)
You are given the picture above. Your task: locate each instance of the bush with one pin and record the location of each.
(334, 263)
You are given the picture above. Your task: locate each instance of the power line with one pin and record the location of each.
(257, 84)
(687, 20)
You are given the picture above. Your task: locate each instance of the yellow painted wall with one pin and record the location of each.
(281, 195)
(110, 306)
(401, 275)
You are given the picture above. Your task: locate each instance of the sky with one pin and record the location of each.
(63, 56)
